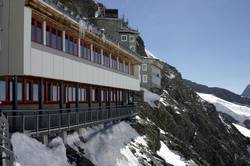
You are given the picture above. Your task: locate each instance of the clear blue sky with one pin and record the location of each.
(208, 41)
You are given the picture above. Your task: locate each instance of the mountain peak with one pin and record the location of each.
(246, 92)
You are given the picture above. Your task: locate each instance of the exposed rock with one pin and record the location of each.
(246, 92)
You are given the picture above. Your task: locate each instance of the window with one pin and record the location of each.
(121, 66)
(131, 38)
(28, 91)
(19, 91)
(106, 60)
(2, 90)
(114, 63)
(71, 45)
(10, 90)
(96, 55)
(127, 68)
(94, 95)
(53, 37)
(85, 51)
(36, 30)
(35, 91)
(123, 38)
(144, 78)
(144, 67)
(52, 91)
(111, 96)
(70, 93)
(82, 94)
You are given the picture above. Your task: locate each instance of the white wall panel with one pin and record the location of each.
(53, 66)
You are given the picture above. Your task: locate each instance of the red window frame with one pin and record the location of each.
(52, 83)
(74, 41)
(66, 94)
(79, 93)
(24, 89)
(36, 20)
(52, 26)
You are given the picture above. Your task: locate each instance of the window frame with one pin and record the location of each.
(124, 40)
(36, 20)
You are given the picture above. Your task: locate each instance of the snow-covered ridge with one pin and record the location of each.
(150, 54)
(238, 112)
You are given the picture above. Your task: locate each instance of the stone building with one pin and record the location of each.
(151, 73)
(118, 28)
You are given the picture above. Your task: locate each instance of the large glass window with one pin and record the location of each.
(127, 68)
(70, 93)
(121, 66)
(106, 59)
(48, 37)
(97, 55)
(10, 90)
(28, 91)
(82, 94)
(36, 30)
(54, 38)
(35, 91)
(59, 40)
(52, 93)
(114, 63)
(85, 51)
(19, 91)
(2, 90)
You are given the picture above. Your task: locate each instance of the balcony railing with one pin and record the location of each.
(49, 121)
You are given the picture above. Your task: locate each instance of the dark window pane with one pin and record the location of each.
(59, 40)
(35, 91)
(28, 91)
(54, 93)
(66, 44)
(39, 32)
(2, 90)
(48, 36)
(71, 46)
(49, 92)
(19, 91)
(10, 90)
(33, 30)
(53, 38)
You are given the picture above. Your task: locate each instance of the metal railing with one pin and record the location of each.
(47, 121)
(6, 154)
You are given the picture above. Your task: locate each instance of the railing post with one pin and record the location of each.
(23, 121)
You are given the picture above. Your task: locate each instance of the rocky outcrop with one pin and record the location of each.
(192, 126)
(246, 92)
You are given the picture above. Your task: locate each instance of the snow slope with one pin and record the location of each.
(30, 152)
(150, 97)
(238, 112)
(244, 131)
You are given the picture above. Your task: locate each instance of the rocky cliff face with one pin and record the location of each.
(246, 92)
(191, 126)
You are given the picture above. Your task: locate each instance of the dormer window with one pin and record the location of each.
(124, 38)
(131, 38)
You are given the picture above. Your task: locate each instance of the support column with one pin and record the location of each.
(91, 52)
(79, 47)
(45, 139)
(63, 41)
(14, 93)
(61, 95)
(110, 60)
(89, 96)
(77, 96)
(41, 93)
(129, 68)
(102, 58)
(44, 32)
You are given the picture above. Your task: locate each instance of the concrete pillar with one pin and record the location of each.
(110, 60)
(102, 58)
(41, 93)
(91, 52)
(63, 41)
(64, 137)
(129, 68)
(44, 32)
(45, 139)
(79, 47)
(14, 92)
